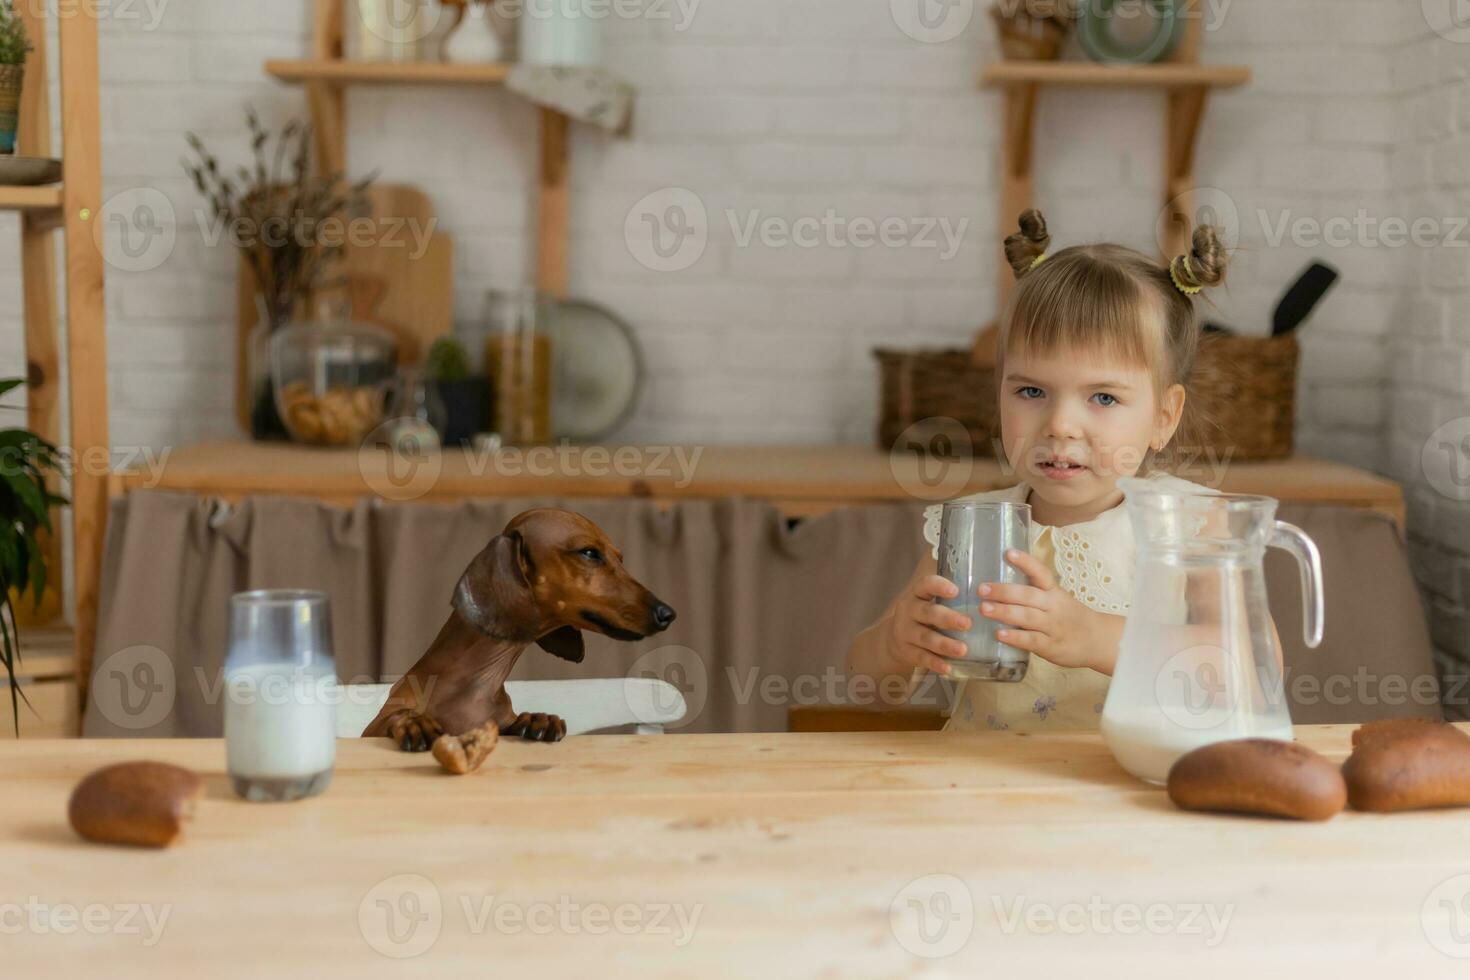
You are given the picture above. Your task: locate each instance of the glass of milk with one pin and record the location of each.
(280, 694)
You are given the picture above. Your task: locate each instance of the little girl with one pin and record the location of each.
(1094, 349)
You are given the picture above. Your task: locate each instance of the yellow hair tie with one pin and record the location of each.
(1038, 260)
(1174, 275)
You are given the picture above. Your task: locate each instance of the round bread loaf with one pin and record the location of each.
(143, 803)
(1259, 776)
(1411, 767)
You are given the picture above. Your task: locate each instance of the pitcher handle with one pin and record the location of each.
(1289, 537)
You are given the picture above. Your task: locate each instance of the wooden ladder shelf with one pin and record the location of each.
(74, 208)
(326, 76)
(1186, 84)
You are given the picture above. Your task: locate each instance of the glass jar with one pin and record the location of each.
(416, 418)
(281, 695)
(388, 30)
(518, 361)
(329, 377)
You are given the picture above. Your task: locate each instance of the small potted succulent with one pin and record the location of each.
(28, 466)
(14, 46)
(466, 396)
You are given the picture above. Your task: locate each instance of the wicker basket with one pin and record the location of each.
(1244, 390)
(918, 385)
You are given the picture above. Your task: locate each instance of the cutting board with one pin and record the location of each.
(403, 282)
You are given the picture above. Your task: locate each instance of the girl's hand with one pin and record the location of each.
(1046, 620)
(913, 638)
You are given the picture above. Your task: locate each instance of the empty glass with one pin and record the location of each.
(280, 694)
(974, 536)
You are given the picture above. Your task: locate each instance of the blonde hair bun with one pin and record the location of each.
(1026, 245)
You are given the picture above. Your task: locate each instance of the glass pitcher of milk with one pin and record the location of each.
(280, 694)
(1199, 662)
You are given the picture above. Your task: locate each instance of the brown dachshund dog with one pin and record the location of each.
(547, 577)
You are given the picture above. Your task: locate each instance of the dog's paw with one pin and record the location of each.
(414, 732)
(536, 727)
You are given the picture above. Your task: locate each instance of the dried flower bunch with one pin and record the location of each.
(289, 224)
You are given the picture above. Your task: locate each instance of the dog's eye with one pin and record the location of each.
(591, 554)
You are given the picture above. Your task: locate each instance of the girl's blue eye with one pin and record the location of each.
(1029, 391)
(1111, 400)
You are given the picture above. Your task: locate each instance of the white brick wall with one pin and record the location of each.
(1429, 337)
(792, 108)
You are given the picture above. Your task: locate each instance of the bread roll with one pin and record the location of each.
(461, 754)
(143, 803)
(1408, 767)
(1391, 728)
(1259, 776)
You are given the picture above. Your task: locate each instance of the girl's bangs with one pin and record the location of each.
(1085, 309)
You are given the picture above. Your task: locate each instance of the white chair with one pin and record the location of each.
(585, 705)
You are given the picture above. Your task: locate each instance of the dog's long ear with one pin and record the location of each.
(494, 593)
(564, 642)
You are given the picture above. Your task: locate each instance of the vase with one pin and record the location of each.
(11, 77)
(557, 34)
(475, 38)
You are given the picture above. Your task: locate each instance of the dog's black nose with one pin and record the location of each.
(663, 615)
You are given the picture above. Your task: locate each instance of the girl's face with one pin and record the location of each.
(1073, 423)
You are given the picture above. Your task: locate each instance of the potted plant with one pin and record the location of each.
(466, 397)
(14, 46)
(281, 217)
(26, 463)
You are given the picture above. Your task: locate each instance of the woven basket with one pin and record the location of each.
(919, 385)
(1244, 390)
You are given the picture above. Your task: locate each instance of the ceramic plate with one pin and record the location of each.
(597, 371)
(16, 170)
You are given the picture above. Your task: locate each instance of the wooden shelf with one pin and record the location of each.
(44, 197)
(801, 480)
(1167, 75)
(340, 72)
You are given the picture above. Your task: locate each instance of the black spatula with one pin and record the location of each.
(1300, 299)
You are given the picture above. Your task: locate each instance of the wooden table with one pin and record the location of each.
(786, 855)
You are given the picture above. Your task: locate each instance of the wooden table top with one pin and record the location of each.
(818, 476)
(863, 854)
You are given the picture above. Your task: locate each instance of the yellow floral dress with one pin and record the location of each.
(1093, 561)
